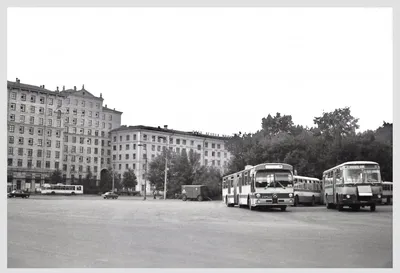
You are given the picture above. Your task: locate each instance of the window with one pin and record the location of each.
(48, 154)
(19, 163)
(206, 144)
(32, 120)
(50, 112)
(48, 143)
(49, 133)
(10, 150)
(14, 95)
(21, 129)
(32, 109)
(12, 117)
(11, 128)
(38, 164)
(10, 162)
(23, 97)
(11, 139)
(58, 144)
(127, 156)
(41, 99)
(13, 106)
(22, 107)
(40, 142)
(41, 110)
(127, 147)
(81, 149)
(198, 147)
(213, 145)
(178, 141)
(30, 141)
(119, 157)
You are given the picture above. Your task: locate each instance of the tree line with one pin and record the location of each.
(332, 141)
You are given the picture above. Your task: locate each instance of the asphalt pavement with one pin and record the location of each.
(88, 231)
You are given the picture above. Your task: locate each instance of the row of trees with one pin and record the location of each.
(312, 150)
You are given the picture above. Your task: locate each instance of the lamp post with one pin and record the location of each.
(145, 182)
(113, 177)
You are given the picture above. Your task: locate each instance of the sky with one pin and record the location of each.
(214, 70)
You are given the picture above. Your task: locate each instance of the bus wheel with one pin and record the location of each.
(72, 193)
(53, 192)
(200, 198)
(249, 204)
(355, 208)
(372, 207)
(283, 208)
(184, 197)
(388, 201)
(339, 207)
(296, 200)
(313, 201)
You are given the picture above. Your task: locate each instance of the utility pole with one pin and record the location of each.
(113, 176)
(165, 176)
(145, 170)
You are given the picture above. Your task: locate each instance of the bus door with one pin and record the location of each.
(235, 184)
(334, 188)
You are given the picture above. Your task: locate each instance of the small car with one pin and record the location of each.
(18, 193)
(110, 195)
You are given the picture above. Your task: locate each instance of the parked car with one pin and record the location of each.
(18, 193)
(110, 195)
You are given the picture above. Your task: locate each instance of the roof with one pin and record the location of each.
(305, 177)
(168, 131)
(18, 85)
(111, 110)
(81, 93)
(351, 163)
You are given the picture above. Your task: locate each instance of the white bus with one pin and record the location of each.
(62, 189)
(354, 184)
(387, 195)
(263, 185)
(307, 190)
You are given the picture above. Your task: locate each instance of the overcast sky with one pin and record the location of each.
(218, 70)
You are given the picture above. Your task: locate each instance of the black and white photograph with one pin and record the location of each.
(199, 137)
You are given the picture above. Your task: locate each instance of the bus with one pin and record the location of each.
(62, 189)
(307, 190)
(387, 195)
(263, 185)
(353, 184)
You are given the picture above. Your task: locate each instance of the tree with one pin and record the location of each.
(56, 177)
(274, 125)
(210, 177)
(337, 124)
(106, 180)
(156, 173)
(129, 180)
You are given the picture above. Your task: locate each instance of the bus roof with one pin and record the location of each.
(352, 163)
(305, 177)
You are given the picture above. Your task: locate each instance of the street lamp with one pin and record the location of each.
(145, 182)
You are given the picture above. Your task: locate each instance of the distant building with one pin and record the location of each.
(48, 130)
(128, 154)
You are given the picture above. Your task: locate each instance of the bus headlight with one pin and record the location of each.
(290, 195)
(348, 196)
(258, 195)
(379, 196)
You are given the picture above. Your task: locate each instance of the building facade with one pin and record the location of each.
(132, 145)
(67, 130)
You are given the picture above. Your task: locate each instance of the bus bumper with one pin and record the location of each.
(362, 201)
(274, 203)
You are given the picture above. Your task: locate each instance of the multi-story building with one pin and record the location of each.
(47, 130)
(131, 145)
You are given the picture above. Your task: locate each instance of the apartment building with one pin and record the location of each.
(131, 145)
(67, 130)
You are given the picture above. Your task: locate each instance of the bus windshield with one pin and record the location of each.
(361, 176)
(275, 179)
